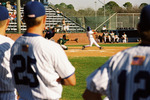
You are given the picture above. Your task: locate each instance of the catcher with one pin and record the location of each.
(63, 40)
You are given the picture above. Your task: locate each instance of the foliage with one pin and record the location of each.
(134, 9)
(143, 5)
(127, 5)
(110, 7)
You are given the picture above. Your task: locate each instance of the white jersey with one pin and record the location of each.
(125, 76)
(90, 34)
(6, 84)
(37, 63)
(124, 36)
(112, 34)
(91, 39)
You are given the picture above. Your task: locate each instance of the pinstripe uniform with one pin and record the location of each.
(125, 76)
(7, 90)
(37, 63)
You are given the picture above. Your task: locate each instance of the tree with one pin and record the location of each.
(70, 6)
(57, 6)
(127, 5)
(86, 12)
(111, 5)
(143, 5)
(63, 5)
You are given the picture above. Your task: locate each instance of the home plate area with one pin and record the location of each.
(93, 51)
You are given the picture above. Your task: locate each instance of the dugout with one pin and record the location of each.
(132, 35)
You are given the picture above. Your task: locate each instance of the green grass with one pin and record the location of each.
(110, 45)
(84, 66)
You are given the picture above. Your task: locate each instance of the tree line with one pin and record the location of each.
(110, 7)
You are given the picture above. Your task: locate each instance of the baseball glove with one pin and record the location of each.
(76, 40)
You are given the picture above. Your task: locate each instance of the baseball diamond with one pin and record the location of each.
(77, 51)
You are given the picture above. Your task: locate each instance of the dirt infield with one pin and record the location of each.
(93, 51)
(77, 51)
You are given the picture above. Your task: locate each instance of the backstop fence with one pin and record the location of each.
(112, 22)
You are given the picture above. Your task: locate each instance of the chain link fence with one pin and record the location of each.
(117, 21)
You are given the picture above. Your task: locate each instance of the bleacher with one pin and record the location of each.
(52, 20)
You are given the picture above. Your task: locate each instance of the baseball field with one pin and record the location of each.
(85, 61)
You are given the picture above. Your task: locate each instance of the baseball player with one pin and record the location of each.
(112, 34)
(63, 40)
(124, 37)
(7, 90)
(91, 39)
(50, 32)
(106, 35)
(116, 38)
(125, 76)
(39, 67)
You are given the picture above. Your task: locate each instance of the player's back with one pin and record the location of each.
(35, 66)
(5, 74)
(129, 74)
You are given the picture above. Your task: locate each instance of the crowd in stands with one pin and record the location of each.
(12, 8)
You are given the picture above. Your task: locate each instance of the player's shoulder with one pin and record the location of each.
(50, 44)
(135, 50)
(6, 39)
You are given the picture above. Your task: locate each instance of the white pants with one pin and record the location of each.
(125, 40)
(108, 39)
(92, 41)
(64, 47)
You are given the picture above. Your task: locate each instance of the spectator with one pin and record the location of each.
(66, 28)
(58, 28)
(51, 27)
(63, 25)
(8, 6)
(13, 16)
(3, 3)
(14, 6)
(58, 12)
(22, 20)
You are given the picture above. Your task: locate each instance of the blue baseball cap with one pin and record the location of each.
(145, 18)
(3, 13)
(34, 9)
(88, 28)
